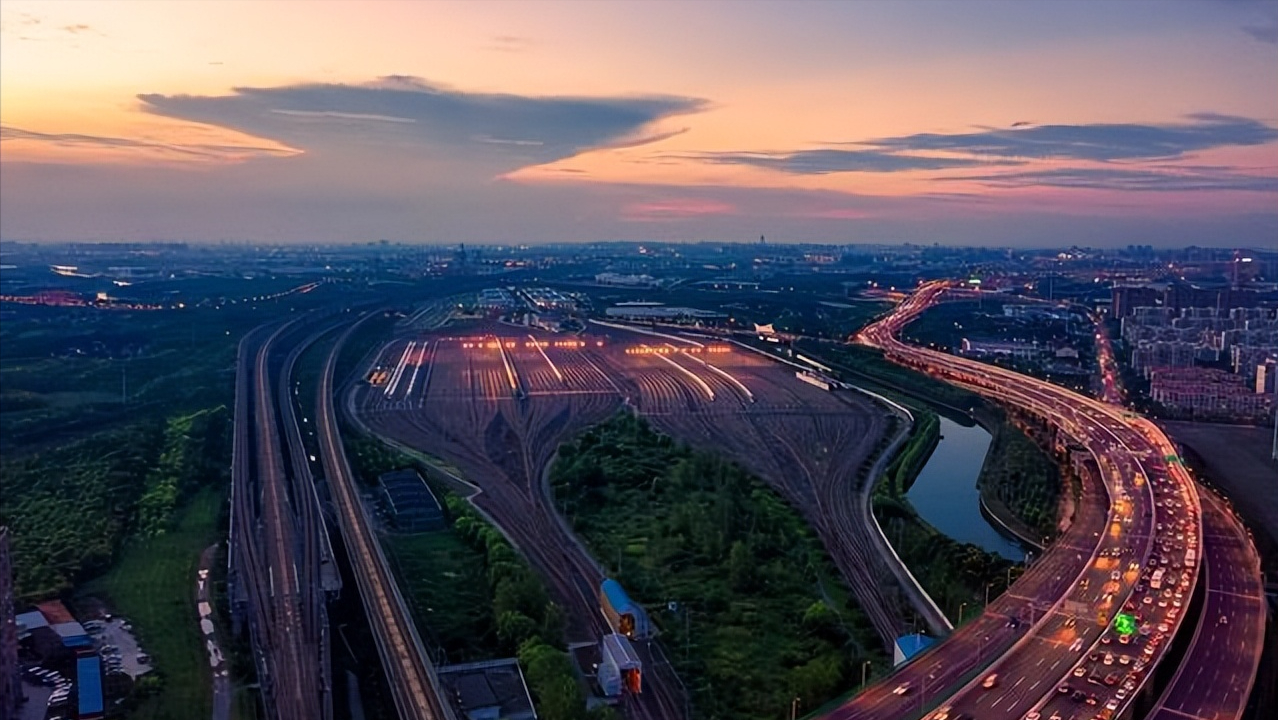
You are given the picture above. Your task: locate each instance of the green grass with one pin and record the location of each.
(153, 585)
(444, 581)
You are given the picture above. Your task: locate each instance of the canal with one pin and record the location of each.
(945, 493)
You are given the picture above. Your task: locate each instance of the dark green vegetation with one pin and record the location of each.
(473, 596)
(527, 622)
(154, 582)
(759, 615)
(911, 458)
(1017, 478)
(116, 450)
(1018, 481)
(1020, 477)
(71, 509)
(955, 574)
(444, 574)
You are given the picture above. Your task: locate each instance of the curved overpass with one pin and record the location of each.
(1140, 500)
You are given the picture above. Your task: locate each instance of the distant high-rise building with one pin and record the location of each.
(1267, 377)
(9, 689)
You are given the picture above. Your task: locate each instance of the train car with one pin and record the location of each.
(624, 670)
(625, 616)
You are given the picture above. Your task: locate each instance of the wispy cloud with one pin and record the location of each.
(153, 148)
(1098, 141)
(489, 132)
(832, 160)
(25, 26)
(510, 43)
(1265, 32)
(1170, 179)
(677, 208)
(333, 115)
(1020, 144)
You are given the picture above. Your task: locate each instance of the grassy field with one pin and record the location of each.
(444, 581)
(153, 585)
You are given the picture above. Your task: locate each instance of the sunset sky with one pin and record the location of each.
(1003, 122)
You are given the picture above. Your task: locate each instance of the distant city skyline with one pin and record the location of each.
(954, 122)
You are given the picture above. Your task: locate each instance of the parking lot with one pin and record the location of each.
(120, 651)
(38, 694)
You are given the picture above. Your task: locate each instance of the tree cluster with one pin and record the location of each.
(747, 601)
(70, 509)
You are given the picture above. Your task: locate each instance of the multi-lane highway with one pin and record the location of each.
(1071, 660)
(1215, 676)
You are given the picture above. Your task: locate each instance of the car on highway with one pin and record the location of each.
(990, 681)
(901, 689)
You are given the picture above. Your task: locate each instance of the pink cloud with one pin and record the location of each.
(833, 214)
(675, 209)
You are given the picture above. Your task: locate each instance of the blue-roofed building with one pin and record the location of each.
(73, 635)
(907, 647)
(88, 671)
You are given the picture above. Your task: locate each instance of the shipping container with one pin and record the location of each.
(625, 616)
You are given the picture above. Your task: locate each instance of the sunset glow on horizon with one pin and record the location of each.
(1028, 123)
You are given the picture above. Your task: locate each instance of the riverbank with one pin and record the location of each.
(1020, 489)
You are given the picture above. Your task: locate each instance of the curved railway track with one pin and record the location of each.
(411, 676)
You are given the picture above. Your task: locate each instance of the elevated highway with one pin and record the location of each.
(1149, 519)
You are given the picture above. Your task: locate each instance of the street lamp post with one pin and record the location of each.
(962, 605)
(864, 667)
(987, 593)
(794, 706)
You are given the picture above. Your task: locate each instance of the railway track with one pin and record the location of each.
(498, 414)
(493, 414)
(269, 537)
(414, 686)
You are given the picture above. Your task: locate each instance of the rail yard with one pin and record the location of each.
(495, 402)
